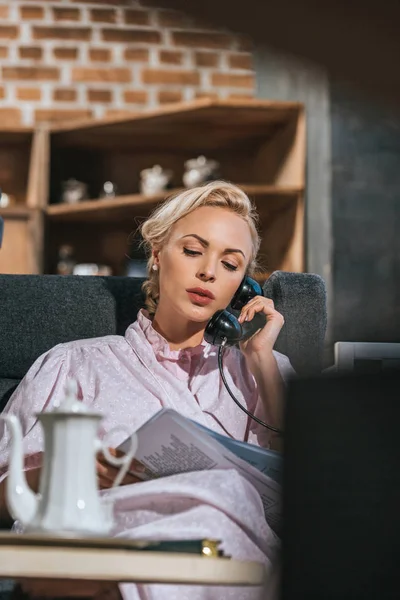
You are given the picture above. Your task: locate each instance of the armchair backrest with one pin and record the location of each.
(39, 311)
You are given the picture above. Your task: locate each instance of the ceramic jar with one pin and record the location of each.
(154, 180)
(199, 170)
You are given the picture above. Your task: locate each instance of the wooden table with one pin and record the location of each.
(118, 564)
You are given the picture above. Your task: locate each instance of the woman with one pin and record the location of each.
(201, 244)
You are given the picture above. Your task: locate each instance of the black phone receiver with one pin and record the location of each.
(224, 327)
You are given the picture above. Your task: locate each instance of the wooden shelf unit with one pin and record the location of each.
(23, 175)
(259, 144)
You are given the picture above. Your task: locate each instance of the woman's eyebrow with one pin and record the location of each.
(206, 244)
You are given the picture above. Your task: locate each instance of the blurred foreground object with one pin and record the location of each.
(341, 486)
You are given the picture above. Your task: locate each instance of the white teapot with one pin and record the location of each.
(68, 502)
(199, 170)
(154, 180)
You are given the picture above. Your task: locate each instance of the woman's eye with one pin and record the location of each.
(190, 252)
(229, 266)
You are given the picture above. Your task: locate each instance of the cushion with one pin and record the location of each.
(301, 298)
(37, 312)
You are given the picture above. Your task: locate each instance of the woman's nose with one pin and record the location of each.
(206, 273)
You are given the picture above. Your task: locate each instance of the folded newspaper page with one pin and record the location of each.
(169, 443)
(267, 461)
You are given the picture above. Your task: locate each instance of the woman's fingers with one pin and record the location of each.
(137, 466)
(107, 473)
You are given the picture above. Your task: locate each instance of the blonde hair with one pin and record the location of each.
(156, 229)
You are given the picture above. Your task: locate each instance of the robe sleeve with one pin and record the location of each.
(42, 388)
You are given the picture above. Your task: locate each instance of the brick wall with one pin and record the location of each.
(63, 59)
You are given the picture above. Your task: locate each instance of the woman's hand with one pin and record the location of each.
(107, 473)
(264, 340)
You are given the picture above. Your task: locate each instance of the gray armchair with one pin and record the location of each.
(39, 311)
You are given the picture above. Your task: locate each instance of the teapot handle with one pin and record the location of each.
(123, 461)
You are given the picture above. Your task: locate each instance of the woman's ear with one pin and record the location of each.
(155, 252)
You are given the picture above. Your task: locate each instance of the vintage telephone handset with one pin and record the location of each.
(224, 329)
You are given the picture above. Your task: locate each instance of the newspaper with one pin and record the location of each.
(267, 461)
(169, 443)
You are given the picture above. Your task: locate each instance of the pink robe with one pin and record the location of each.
(129, 379)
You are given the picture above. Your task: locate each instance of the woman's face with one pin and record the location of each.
(203, 262)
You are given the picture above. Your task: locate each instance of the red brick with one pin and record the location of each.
(66, 14)
(31, 73)
(210, 95)
(136, 17)
(126, 36)
(64, 95)
(29, 94)
(9, 32)
(135, 97)
(58, 114)
(4, 11)
(241, 61)
(103, 15)
(196, 39)
(162, 76)
(100, 54)
(115, 75)
(82, 34)
(66, 53)
(241, 96)
(31, 12)
(102, 96)
(207, 59)
(231, 80)
(171, 57)
(172, 18)
(118, 113)
(168, 96)
(136, 54)
(10, 117)
(3, 52)
(32, 52)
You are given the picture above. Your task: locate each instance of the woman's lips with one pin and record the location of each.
(199, 299)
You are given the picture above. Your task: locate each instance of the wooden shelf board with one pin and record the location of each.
(118, 207)
(15, 212)
(204, 124)
(15, 135)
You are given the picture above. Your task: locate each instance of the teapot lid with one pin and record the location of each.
(71, 404)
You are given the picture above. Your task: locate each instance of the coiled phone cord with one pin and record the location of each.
(248, 413)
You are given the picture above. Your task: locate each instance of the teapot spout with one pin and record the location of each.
(22, 502)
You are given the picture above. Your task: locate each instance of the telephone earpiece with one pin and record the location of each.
(224, 329)
(224, 325)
